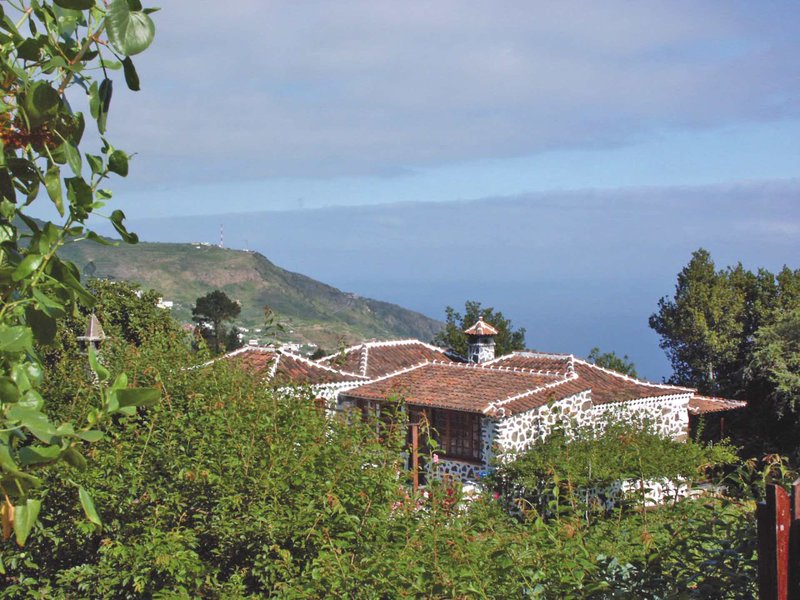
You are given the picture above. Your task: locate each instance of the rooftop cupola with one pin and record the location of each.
(94, 334)
(480, 340)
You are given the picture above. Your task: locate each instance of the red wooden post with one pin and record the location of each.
(415, 455)
(794, 543)
(774, 522)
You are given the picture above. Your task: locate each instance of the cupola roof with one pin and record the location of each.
(481, 328)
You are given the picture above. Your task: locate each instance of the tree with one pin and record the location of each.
(729, 333)
(775, 363)
(452, 335)
(50, 51)
(610, 360)
(212, 311)
(703, 326)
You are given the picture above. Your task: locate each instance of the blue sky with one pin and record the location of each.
(272, 106)
(613, 137)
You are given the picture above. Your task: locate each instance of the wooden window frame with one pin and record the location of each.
(468, 447)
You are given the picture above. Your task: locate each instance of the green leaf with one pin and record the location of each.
(44, 326)
(7, 190)
(37, 455)
(34, 420)
(40, 103)
(116, 220)
(130, 31)
(91, 235)
(73, 157)
(75, 4)
(15, 339)
(75, 459)
(6, 460)
(30, 49)
(88, 507)
(118, 163)
(25, 517)
(104, 98)
(102, 373)
(95, 163)
(28, 265)
(8, 390)
(91, 436)
(48, 305)
(52, 181)
(94, 100)
(138, 397)
(131, 76)
(80, 195)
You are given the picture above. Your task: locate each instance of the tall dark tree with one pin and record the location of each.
(610, 360)
(211, 312)
(774, 365)
(729, 332)
(452, 335)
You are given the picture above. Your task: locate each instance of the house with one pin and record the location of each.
(484, 406)
(284, 369)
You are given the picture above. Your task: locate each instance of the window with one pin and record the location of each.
(458, 434)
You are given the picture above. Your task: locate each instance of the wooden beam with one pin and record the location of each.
(415, 455)
(773, 544)
(794, 544)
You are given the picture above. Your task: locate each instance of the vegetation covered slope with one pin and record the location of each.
(311, 310)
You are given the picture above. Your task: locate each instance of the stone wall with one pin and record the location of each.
(667, 414)
(516, 433)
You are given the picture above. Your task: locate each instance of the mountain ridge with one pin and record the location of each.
(309, 310)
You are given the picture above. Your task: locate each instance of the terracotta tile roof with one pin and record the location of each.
(511, 384)
(481, 328)
(699, 405)
(607, 386)
(376, 359)
(469, 388)
(536, 361)
(285, 368)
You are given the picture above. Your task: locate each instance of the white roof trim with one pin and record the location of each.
(497, 404)
(383, 344)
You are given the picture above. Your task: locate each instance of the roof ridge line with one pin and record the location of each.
(364, 359)
(492, 406)
(313, 363)
(338, 352)
(398, 372)
(403, 342)
(664, 386)
(499, 369)
(242, 350)
(535, 354)
(274, 367)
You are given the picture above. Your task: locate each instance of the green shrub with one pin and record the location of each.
(572, 462)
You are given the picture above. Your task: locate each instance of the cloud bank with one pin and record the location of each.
(305, 89)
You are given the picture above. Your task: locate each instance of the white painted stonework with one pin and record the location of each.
(506, 437)
(481, 352)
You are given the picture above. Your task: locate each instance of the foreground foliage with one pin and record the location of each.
(557, 473)
(226, 490)
(54, 55)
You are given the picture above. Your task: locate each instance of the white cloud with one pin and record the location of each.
(253, 88)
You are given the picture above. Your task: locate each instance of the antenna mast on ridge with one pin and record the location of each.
(221, 237)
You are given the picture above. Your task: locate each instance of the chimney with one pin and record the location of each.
(480, 340)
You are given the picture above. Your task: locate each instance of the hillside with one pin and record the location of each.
(310, 311)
